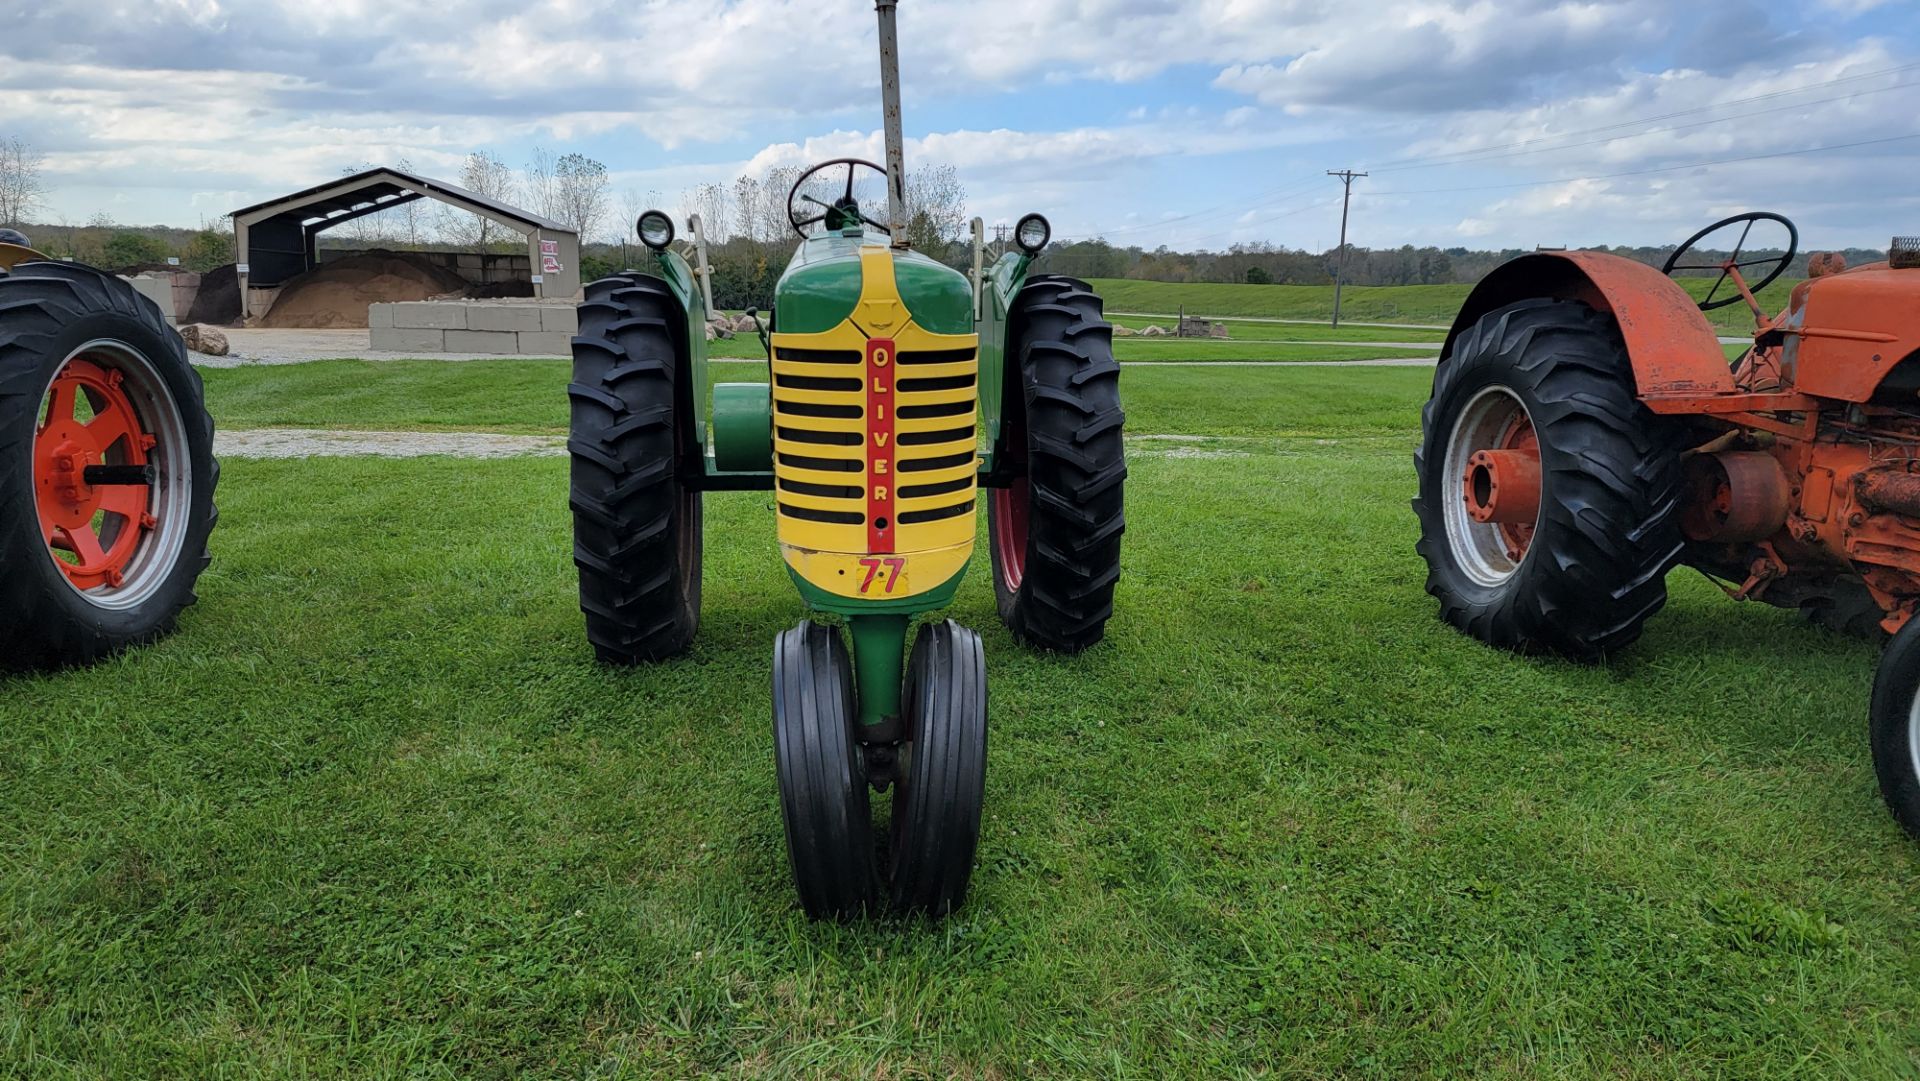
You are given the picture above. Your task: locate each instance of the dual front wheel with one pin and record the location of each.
(938, 774)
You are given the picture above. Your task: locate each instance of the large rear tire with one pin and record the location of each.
(943, 771)
(1549, 377)
(636, 526)
(107, 471)
(1054, 534)
(822, 774)
(1894, 727)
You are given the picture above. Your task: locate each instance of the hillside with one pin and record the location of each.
(1432, 304)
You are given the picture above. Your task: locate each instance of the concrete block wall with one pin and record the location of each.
(157, 289)
(506, 329)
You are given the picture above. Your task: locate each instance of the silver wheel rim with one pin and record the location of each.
(1478, 547)
(169, 499)
(1913, 735)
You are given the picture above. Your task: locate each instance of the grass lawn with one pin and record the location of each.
(1435, 304)
(1274, 347)
(375, 812)
(1242, 330)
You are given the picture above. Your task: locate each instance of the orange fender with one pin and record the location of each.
(1674, 350)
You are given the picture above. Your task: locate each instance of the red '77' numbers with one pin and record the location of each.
(874, 565)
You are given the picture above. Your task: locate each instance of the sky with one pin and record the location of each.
(1189, 123)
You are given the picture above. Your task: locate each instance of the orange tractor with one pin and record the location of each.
(1587, 433)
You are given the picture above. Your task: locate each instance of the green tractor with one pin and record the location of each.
(899, 389)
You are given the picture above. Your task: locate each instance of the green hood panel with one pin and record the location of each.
(821, 285)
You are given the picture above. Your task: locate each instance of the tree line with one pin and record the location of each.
(747, 229)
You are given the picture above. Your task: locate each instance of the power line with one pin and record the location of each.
(1340, 268)
(1640, 134)
(1660, 169)
(1396, 162)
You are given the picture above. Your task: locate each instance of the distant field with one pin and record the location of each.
(1435, 304)
(1242, 330)
(1274, 347)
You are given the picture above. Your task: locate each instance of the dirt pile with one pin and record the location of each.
(218, 301)
(336, 293)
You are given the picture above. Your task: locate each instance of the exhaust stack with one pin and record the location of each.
(890, 120)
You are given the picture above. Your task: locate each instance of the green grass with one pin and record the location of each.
(1431, 304)
(375, 812)
(529, 397)
(1286, 332)
(1189, 349)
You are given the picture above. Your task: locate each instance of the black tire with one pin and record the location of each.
(48, 312)
(1894, 727)
(822, 773)
(943, 771)
(1847, 607)
(1066, 431)
(1608, 529)
(636, 526)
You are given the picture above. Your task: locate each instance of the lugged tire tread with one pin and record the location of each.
(1061, 353)
(38, 626)
(1611, 485)
(641, 600)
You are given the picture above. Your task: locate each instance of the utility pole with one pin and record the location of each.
(1340, 266)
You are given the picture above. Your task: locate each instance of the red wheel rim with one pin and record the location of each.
(1010, 507)
(92, 531)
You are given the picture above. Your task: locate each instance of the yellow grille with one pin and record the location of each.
(874, 446)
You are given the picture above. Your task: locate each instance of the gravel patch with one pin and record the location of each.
(322, 443)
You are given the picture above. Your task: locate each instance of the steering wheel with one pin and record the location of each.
(1730, 266)
(842, 211)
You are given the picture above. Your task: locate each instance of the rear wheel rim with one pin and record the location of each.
(1488, 552)
(115, 545)
(1010, 506)
(1913, 735)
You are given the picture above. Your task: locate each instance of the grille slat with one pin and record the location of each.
(818, 438)
(816, 382)
(944, 461)
(935, 356)
(934, 514)
(817, 409)
(943, 435)
(818, 356)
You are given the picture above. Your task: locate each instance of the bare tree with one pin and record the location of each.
(633, 204)
(485, 175)
(20, 186)
(936, 209)
(579, 194)
(710, 202)
(539, 183)
(410, 218)
(746, 202)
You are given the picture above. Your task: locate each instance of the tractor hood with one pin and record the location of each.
(822, 283)
(1847, 332)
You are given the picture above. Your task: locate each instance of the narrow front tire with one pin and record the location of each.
(943, 771)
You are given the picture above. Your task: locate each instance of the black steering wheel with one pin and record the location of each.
(1731, 265)
(838, 214)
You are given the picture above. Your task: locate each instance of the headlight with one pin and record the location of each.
(655, 229)
(1032, 234)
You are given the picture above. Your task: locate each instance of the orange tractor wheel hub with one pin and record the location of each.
(1502, 486)
(92, 529)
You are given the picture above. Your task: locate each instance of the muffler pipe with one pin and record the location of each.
(890, 120)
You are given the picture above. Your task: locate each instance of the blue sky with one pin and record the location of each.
(1484, 124)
